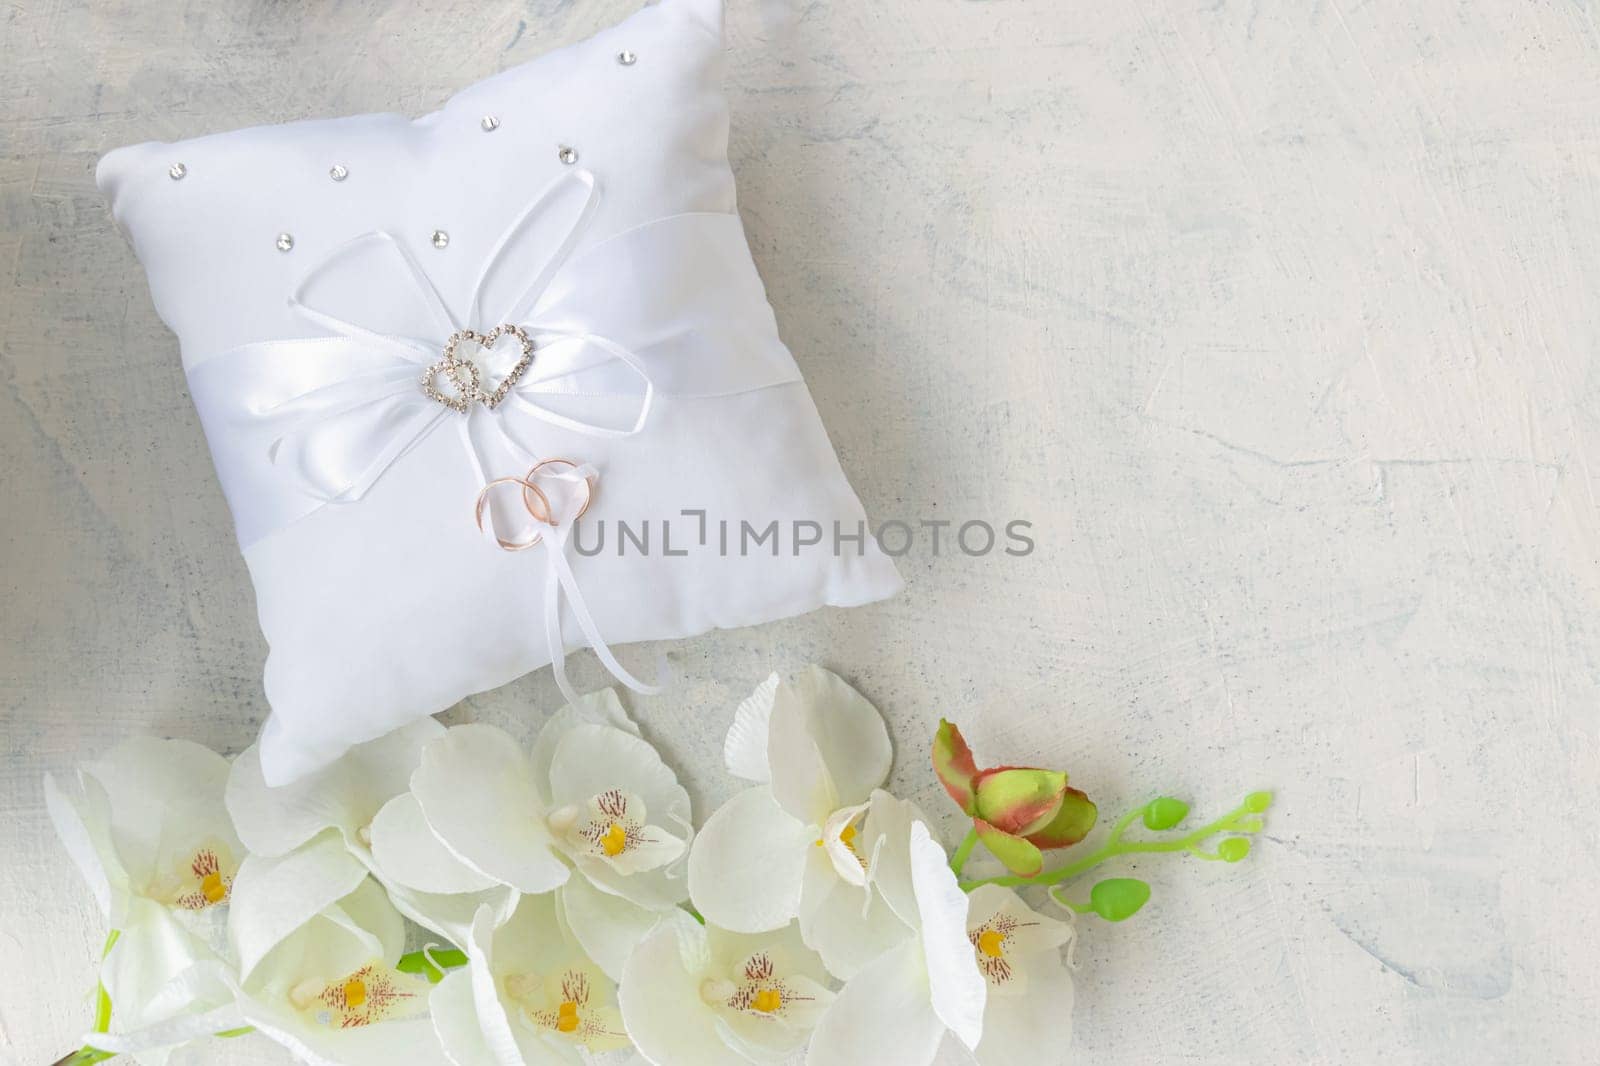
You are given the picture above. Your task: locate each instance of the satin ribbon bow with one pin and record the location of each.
(670, 307)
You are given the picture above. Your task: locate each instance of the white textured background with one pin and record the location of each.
(1278, 320)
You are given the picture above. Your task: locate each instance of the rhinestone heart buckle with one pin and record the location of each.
(464, 373)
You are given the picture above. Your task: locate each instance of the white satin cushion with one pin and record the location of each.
(385, 608)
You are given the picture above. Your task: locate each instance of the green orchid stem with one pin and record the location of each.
(88, 1056)
(1081, 908)
(958, 861)
(1114, 848)
(84, 1056)
(424, 962)
(102, 998)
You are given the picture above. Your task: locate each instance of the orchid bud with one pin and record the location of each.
(1017, 811)
(1019, 800)
(1164, 813)
(1233, 849)
(1118, 898)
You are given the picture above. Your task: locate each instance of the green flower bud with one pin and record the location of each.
(1257, 802)
(1019, 799)
(1233, 849)
(1164, 813)
(1118, 898)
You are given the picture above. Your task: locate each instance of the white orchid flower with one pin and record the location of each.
(806, 841)
(592, 793)
(1029, 1006)
(358, 799)
(701, 996)
(897, 1009)
(328, 989)
(528, 996)
(147, 828)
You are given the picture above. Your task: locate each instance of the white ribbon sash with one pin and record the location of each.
(673, 307)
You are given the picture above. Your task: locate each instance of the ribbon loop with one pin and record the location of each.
(673, 307)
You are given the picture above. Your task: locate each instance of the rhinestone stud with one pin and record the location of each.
(338, 172)
(627, 57)
(567, 155)
(489, 123)
(440, 239)
(176, 171)
(285, 242)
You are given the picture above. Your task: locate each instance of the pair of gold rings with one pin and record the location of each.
(534, 499)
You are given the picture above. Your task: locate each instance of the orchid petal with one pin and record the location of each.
(747, 864)
(846, 925)
(475, 787)
(455, 1021)
(955, 766)
(274, 897)
(607, 926)
(345, 795)
(595, 759)
(1019, 855)
(405, 850)
(846, 735)
(450, 914)
(882, 1016)
(83, 822)
(744, 751)
(886, 837)
(150, 972)
(957, 987)
(508, 1043)
(1026, 1028)
(534, 961)
(596, 708)
(662, 1006)
(800, 781)
(1069, 825)
(849, 731)
(164, 797)
(399, 1042)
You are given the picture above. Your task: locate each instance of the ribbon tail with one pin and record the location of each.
(558, 579)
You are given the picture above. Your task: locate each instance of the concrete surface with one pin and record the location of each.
(1278, 322)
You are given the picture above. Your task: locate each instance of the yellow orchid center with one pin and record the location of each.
(847, 837)
(213, 888)
(767, 1000)
(205, 880)
(566, 1003)
(992, 943)
(369, 995)
(614, 841)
